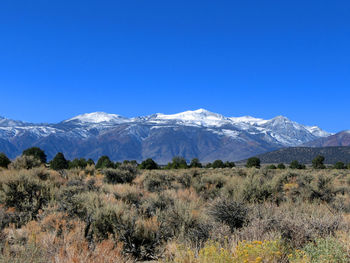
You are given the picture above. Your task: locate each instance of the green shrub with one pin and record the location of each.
(156, 182)
(25, 162)
(119, 176)
(231, 213)
(253, 162)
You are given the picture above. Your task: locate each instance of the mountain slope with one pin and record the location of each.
(198, 133)
(307, 154)
(339, 139)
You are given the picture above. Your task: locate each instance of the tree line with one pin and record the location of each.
(35, 156)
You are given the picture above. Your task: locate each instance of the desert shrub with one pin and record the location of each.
(184, 180)
(256, 188)
(186, 221)
(26, 195)
(156, 182)
(255, 251)
(271, 167)
(120, 175)
(25, 162)
(157, 203)
(209, 186)
(296, 165)
(232, 213)
(322, 250)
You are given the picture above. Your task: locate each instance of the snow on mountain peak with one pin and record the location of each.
(200, 117)
(98, 117)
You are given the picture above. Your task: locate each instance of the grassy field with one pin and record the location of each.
(185, 215)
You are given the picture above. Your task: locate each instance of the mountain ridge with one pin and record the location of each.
(199, 133)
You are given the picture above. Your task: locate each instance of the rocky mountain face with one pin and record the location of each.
(338, 139)
(200, 133)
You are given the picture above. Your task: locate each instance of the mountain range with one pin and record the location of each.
(199, 133)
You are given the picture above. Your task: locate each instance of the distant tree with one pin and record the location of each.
(317, 163)
(195, 163)
(132, 162)
(178, 163)
(117, 164)
(4, 160)
(36, 152)
(208, 165)
(90, 162)
(149, 164)
(253, 162)
(104, 162)
(230, 164)
(218, 164)
(272, 167)
(78, 163)
(59, 162)
(281, 166)
(296, 165)
(339, 165)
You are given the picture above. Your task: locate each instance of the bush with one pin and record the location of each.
(104, 162)
(281, 166)
(36, 153)
(253, 162)
(195, 163)
(78, 163)
(339, 165)
(158, 182)
(119, 175)
(149, 164)
(272, 167)
(322, 250)
(25, 162)
(4, 160)
(27, 195)
(296, 165)
(218, 164)
(231, 213)
(317, 163)
(177, 163)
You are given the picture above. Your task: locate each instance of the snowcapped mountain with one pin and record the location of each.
(199, 133)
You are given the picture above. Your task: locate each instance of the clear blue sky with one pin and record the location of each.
(260, 58)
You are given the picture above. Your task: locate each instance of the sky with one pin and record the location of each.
(265, 58)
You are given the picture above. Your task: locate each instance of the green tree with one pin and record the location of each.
(253, 162)
(218, 164)
(104, 162)
(149, 164)
(78, 163)
(296, 165)
(4, 160)
(339, 165)
(272, 167)
(195, 163)
(281, 166)
(208, 165)
(36, 152)
(230, 164)
(317, 163)
(178, 163)
(59, 162)
(90, 162)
